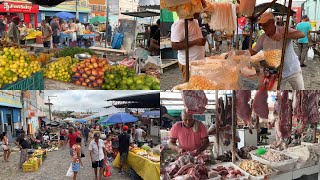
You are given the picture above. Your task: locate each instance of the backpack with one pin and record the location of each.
(117, 39)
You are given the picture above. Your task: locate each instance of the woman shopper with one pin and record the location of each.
(76, 158)
(108, 146)
(63, 134)
(5, 146)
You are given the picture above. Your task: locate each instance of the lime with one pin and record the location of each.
(9, 73)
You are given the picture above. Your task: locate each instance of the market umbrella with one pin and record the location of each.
(65, 15)
(80, 120)
(103, 122)
(98, 19)
(120, 118)
(152, 114)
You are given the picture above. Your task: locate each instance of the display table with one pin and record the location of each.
(65, 38)
(109, 50)
(165, 45)
(87, 36)
(145, 168)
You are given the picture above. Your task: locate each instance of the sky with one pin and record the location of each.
(84, 100)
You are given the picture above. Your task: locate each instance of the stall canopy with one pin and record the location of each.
(46, 120)
(143, 100)
(120, 118)
(80, 120)
(65, 15)
(151, 114)
(68, 119)
(277, 9)
(108, 111)
(141, 14)
(149, 4)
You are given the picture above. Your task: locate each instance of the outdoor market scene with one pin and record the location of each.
(79, 44)
(240, 134)
(80, 135)
(243, 44)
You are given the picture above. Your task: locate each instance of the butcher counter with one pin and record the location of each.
(145, 168)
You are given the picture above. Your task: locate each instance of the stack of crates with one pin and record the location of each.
(28, 167)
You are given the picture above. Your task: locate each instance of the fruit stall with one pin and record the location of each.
(78, 68)
(290, 153)
(144, 161)
(35, 160)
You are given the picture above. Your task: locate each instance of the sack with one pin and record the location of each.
(117, 40)
(70, 172)
(310, 54)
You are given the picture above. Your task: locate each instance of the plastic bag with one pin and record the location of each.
(73, 36)
(70, 172)
(310, 54)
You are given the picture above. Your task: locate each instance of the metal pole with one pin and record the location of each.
(217, 123)
(24, 125)
(251, 31)
(77, 12)
(234, 125)
(187, 48)
(49, 108)
(107, 21)
(284, 43)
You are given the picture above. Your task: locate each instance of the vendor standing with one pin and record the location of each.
(271, 39)
(196, 42)
(191, 134)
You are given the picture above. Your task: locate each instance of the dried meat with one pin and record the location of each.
(260, 104)
(243, 108)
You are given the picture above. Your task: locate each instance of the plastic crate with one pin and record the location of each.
(34, 82)
(26, 167)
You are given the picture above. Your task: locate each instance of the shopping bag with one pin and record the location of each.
(73, 36)
(310, 53)
(106, 168)
(117, 40)
(70, 172)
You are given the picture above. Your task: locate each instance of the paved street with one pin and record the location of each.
(53, 168)
(172, 75)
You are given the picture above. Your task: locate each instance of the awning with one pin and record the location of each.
(142, 14)
(108, 111)
(46, 120)
(151, 114)
(149, 4)
(278, 9)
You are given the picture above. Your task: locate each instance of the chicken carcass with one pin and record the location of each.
(260, 104)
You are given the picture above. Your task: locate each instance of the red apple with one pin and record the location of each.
(81, 71)
(90, 66)
(81, 79)
(77, 74)
(88, 60)
(92, 78)
(84, 84)
(100, 73)
(94, 72)
(78, 82)
(84, 76)
(95, 84)
(88, 72)
(87, 80)
(99, 81)
(95, 65)
(74, 69)
(93, 60)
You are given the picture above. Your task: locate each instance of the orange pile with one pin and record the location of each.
(201, 83)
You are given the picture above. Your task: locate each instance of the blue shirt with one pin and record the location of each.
(305, 27)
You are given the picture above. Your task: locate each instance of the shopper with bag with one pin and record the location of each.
(76, 158)
(23, 142)
(305, 27)
(5, 146)
(97, 154)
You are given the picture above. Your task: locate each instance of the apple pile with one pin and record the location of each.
(90, 72)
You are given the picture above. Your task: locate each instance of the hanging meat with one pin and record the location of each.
(260, 104)
(194, 101)
(306, 108)
(285, 116)
(243, 107)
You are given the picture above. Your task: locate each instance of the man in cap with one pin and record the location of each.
(97, 154)
(24, 144)
(305, 27)
(13, 31)
(125, 140)
(271, 39)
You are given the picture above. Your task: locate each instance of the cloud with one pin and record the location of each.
(84, 100)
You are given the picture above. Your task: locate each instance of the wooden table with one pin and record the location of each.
(166, 44)
(109, 50)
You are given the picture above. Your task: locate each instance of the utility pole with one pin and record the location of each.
(49, 104)
(77, 12)
(107, 23)
(23, 118)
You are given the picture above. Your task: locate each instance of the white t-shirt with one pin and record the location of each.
(97, 150)
(178, 35)
(138, 134)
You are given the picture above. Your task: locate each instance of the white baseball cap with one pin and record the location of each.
(266, 17)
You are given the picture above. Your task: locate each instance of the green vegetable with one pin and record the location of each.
(146, 147)
(71, 51)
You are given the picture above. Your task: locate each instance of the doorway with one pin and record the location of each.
(10, 127)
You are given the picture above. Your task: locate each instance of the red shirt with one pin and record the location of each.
(72, 139)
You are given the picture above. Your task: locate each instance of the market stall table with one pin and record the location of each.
(166, 44)
(65, 38)
(109, 50)
(145, 168)
(87, 36)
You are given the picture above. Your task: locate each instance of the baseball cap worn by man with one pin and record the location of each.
(304, 17)
(96, 135)
(125, 128)
(266, 17)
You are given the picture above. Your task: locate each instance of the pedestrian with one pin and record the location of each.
(196, 42)
(46, 34)
(305, 27)
(76, 158)
(217, 36)
(55, 26)
(90, 135)
(71, 139)
(63, 134)
(23, 142)
(97, 154)
(125, 140)
(78, 132)
(207, 33)
(86, 132)
(5, 146)
(272, 39)
(23, 32)
(108, 146)
(2, 28)
(13, 31)
(154, 46)
(139, 134)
